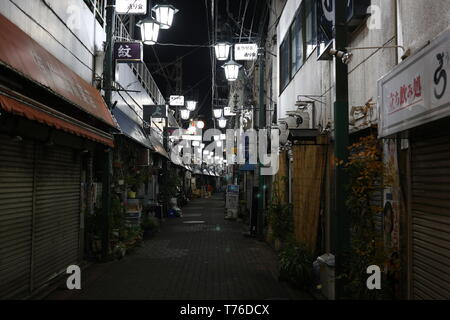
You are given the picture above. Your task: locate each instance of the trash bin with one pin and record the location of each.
(327, 275)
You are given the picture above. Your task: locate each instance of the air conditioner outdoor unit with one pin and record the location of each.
(298, 119)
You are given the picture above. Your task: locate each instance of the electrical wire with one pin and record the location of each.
(243, 20)
(166, 76)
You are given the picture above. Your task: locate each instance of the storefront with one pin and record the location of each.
(51, 124)
(415, 110)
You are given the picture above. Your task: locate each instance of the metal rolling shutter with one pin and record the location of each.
(430, 165)
(16, 215)
(57, 222)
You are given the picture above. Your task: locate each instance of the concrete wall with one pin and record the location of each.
(421, 21)
(67, 29)
(368, 66)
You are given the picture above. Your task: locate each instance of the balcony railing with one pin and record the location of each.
(140, 69)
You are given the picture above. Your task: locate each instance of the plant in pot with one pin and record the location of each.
(280, 218)
(296, 264)
(150, 226)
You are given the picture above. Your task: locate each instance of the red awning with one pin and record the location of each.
(23, 106)
(23, 54)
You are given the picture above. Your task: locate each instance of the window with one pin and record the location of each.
(284, 64)
(300, 41)
(293, 48)
(300, 48)
(99, 6)
(310, 26)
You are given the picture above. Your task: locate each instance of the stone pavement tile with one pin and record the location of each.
(210, 260)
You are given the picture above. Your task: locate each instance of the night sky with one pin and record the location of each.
(191, 27)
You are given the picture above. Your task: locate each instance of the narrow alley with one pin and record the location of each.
(200, 256)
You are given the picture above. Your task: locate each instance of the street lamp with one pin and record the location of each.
(222, 122)
(222, 50)
(217, 113)
(164, 14)
(149, 30)
(185, 114)
(200, 124)
(191, 105)
(231, 70)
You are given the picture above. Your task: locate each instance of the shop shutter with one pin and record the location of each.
(16, 215)
(430, 169)
(57, 224)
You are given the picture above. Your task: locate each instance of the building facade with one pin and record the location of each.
(389, 42)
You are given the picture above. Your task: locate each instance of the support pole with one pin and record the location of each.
(262, 125)
(108, 74)
(341, 225)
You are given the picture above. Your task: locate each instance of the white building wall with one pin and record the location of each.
(313, 78)
(131, 102)
(67, 29)
(421, 21)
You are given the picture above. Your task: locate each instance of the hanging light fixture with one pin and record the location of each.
(231, 70)
(222, 50)
(185, 114)
(164, 14)
(200, 124)
(218, 113)
(149, 30)
(191, 105)
(222, 122)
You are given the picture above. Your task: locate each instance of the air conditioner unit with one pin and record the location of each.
(299, 119)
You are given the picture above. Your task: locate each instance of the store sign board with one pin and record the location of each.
(128, 52)
(246, 51)
(228, 112)
(131, 6)
(176, 101)
(418, 90)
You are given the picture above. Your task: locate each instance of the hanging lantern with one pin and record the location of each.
(164, 14)
(191, 105)
(217, 113)
(200, 124)
(231, 70)
(185, 114)
(219, 144)
(222, 122)
(149, 30)
(222, 50)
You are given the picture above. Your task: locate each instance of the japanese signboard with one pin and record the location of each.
(416, 92)
(131, 6)
(125, 52)
(246, 51)
(228, 112)
(177, 101)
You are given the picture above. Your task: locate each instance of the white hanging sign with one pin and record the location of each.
(131, 6)
(176, 101)
(245, 51)
(416, 91)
